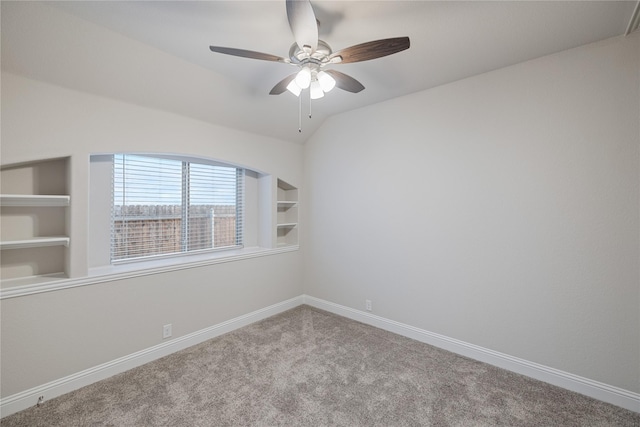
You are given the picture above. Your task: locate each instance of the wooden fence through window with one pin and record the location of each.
(143, 230)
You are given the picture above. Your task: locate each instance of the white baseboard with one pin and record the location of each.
(28, 398)
(604, 392)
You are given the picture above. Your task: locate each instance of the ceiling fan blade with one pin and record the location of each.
(372, 50)
(281, 87)
(247, 54)
(345, 82)
(303, 23)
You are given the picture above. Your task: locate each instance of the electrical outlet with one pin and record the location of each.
(166, 331)
(367, 304)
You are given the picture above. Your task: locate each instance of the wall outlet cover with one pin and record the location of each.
(166, 331)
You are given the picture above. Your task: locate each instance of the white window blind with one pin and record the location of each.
(165, 206)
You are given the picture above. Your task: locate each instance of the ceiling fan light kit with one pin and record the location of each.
(319, 83)
(312, 55)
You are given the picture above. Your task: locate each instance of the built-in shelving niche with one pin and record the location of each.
(287, 216)
(34, 237)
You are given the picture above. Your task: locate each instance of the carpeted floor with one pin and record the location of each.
(307, 367)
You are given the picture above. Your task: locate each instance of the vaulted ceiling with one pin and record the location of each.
(156, 53)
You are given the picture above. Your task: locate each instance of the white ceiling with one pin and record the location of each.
(155, 53)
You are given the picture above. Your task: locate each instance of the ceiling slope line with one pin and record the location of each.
(634, 22)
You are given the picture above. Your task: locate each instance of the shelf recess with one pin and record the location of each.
(287, 214)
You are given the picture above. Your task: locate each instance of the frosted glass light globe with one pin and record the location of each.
(294, 88)
(316, 90)
(326, 81)
(303, 79)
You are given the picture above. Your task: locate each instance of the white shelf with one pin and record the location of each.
(288, 225)
(287, 214)
(36, 242)
(30, 200)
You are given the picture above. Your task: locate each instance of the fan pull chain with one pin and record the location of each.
(300, 114)
(309, 102)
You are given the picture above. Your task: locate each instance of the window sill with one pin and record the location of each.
(36, 284)
(212, 257)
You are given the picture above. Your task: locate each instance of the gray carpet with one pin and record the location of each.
(307, 367)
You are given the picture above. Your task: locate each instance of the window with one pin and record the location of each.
(166, 205)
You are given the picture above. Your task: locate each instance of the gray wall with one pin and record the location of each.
(501, 210)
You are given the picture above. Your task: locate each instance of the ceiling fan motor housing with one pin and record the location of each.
(316, 59)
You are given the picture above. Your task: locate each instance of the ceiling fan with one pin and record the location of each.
(312, 55)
